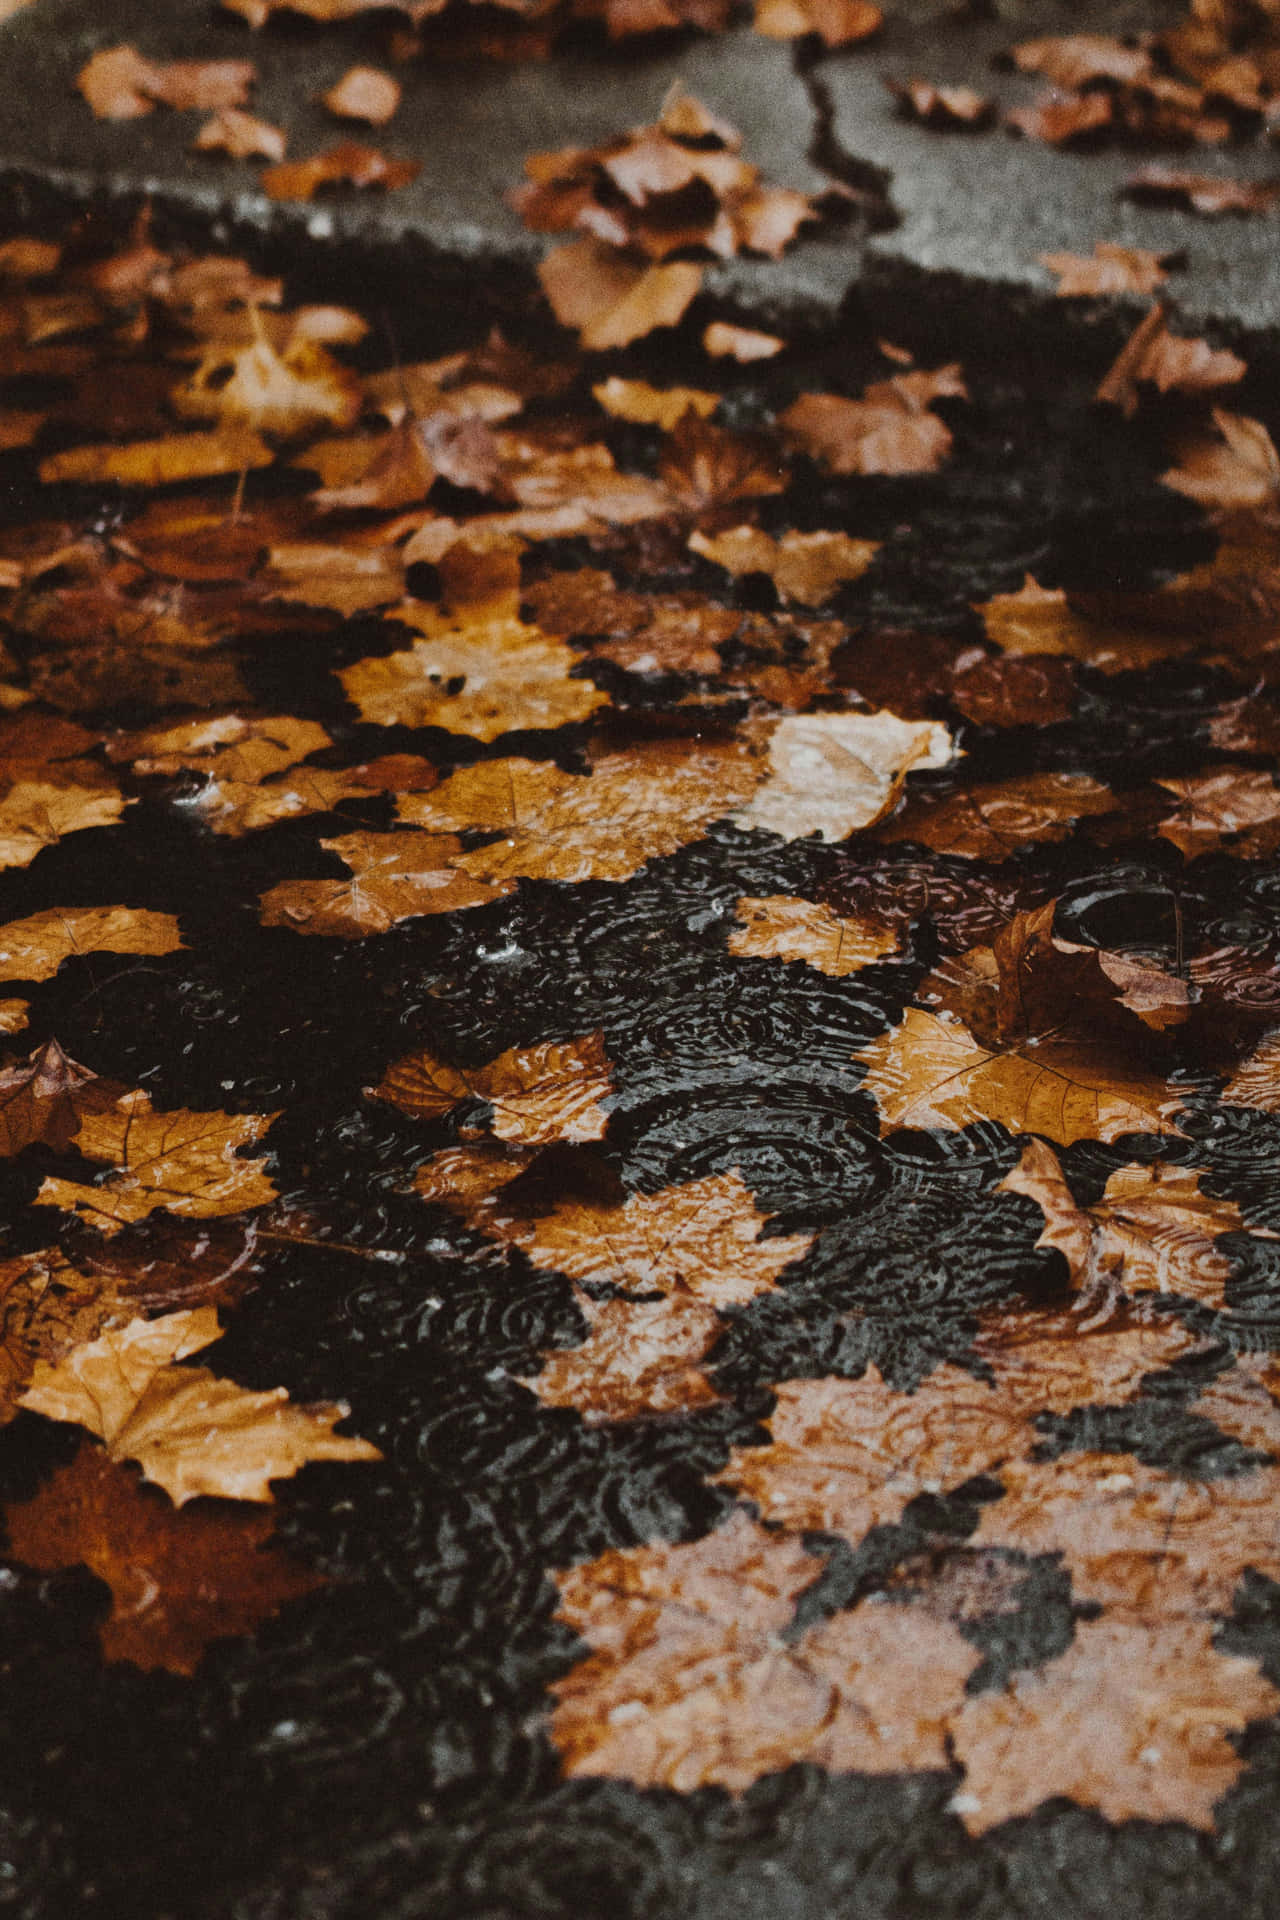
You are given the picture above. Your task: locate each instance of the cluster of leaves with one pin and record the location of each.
(567, 626)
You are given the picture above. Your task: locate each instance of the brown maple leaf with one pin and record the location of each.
(182, 1160)
(1153, 1230)
(34, 948)
(1234, 468)
(724, 341)
(1170, 364)
(177, 1586)
(1236, 809)
(640, 1360)
(190, 1432)
(349, 164)
(944, 108)
(241, 135)
(539, 1094)
(991, 820)
(481, 674)
(837, 23)
(782, 927)
(634, 805)
(46, 1097)
(119, 84)
(363, 93)
(833, 773)
(394, 877)
(346, 578)
(804, 567)
(1110, 269)
(1132, 1719)
(610, 300)
(689, 1681)
(891, 429)
(35, 814)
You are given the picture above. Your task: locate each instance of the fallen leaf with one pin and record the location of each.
(689, 1681)
(119, 84)
(159, 463)
(1110, 269)
(482, 676)
(241, 135)
(34, 814)
(1063, 120)
(190, 1432)
(1132, 1719)
(24, 257)
(706, 468)
(781, 927)
(46, 1097)
(1235, 467)
(182, 1160)
(394, 877)
(610, 300)
(344, 578)
(257, 388)
(942, 107)
(363, 93)
(349, 164)
(991, 820)
(1200, 192)
(838, 23)
(1256, 1081)
(1170, 364)
(1039, 620)
(650, 406)
(633, 806)
(892, 429)
(1236, 809)
(47, 1306)
(743, 344)
(833, 773)
(538, 1094)
(176, 1586)
(640, 1360)
(1074, 59)
(34, 948)
(804, 567)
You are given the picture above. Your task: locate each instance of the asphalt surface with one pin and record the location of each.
(982, 205)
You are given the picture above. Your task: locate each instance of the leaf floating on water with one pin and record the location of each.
(538, 1094)
(781, 927)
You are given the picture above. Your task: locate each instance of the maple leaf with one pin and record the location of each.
(162, 462)
(1170, 364)
(832, 773)
(1036, 620)
(990, 821)
(176, 1586)
(838, 23)
(1110, 269)
(1132, 1719)
(1256, 1081)
(468, 1179)
(1207, 193)
(394, 877)
(650, 406)
(363, 93)
(182, 1160)
(348, 164)
(48, 1306)
(547, 1092)
(1153, 1230)
(610, 300)
(942, 107)
(278, 393)
(640, 1359)
(892, 429)
(46, 1097)
(34, 948)
(1235, 467)
(1242, 1402)
(35, 814)
(782, 927)
(242, 135)
(189, 1431)
(634, 805)
(482, 674)
(848, 1455)
(119, 84)
(689, 1682)
(1238, 806)
(804, 567)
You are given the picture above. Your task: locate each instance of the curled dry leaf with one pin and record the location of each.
(743, 344)
(610, 300)
(185, 1161)
(349, 164)
(633, 806)
(190, 1432)
(482, 674)
(690, 1682)
(119, 84)
(241, 135)
(838, 23)
(1153, 1231)
(1132, 1719)
(781, 927)
(363, 93)
(177, 1586)
(833, 773)
(1170, 364)
(804, 567)
(394, 877)
(848, 1455)
(1110, 269)
(652, 406)
(1235, 467)
(34, 948)
(539, 1094)
(991, 820)
(892, 429)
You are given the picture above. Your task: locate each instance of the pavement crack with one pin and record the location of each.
(862, 184)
